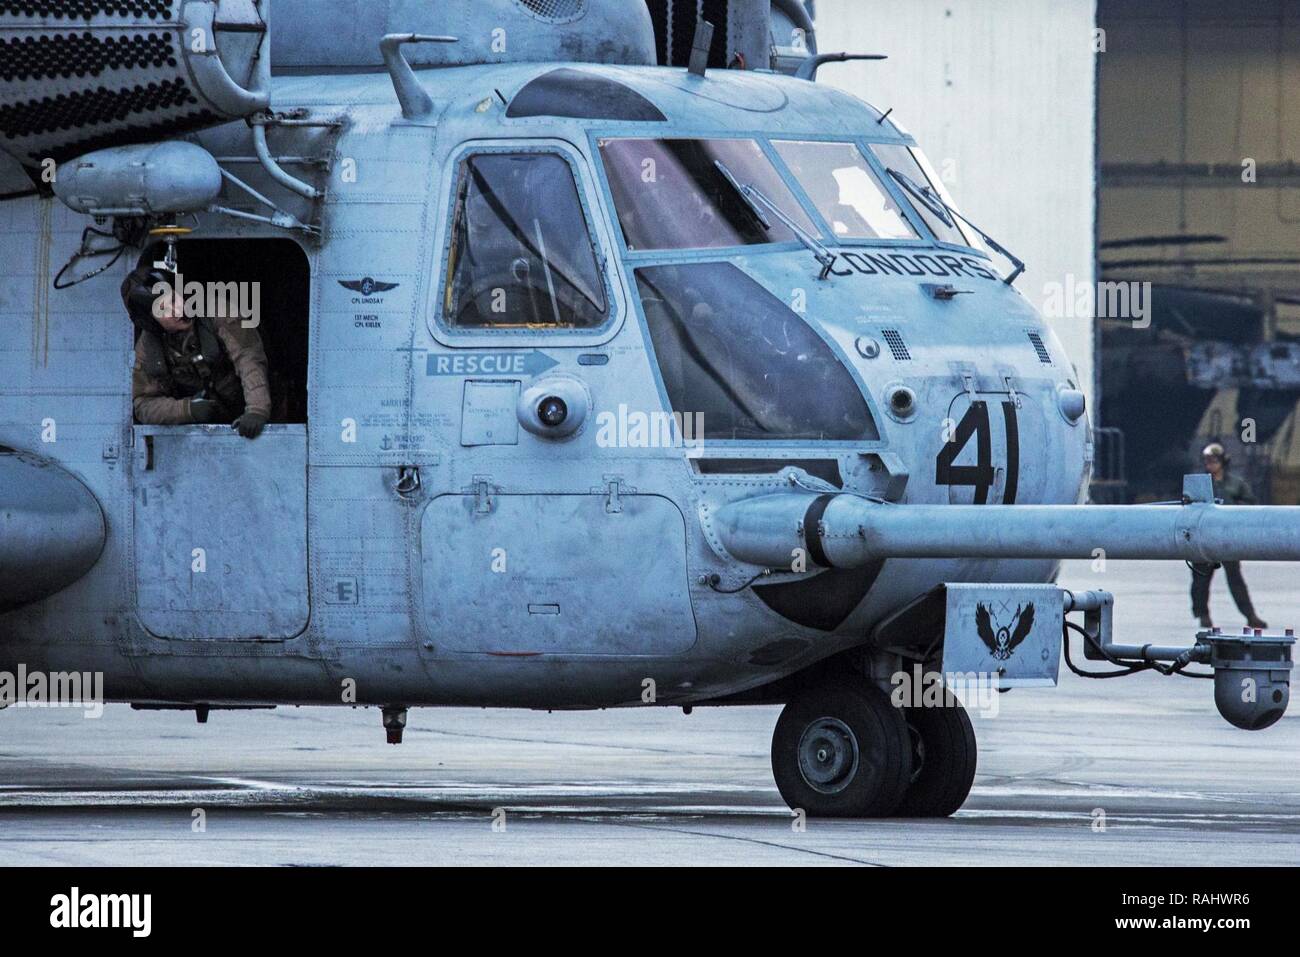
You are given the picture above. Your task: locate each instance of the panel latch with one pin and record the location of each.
(615, 489)
(483, 490)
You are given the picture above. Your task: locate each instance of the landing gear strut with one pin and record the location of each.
(394, 722)
(841, 749)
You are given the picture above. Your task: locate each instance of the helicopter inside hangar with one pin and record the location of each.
(615, 362)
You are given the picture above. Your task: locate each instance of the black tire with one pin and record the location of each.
(943, 759)
(856, 747)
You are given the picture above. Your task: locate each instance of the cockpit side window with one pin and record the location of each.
(741, 362)
(845, 190)
(686, 194)
(901, 161)
(521, 255)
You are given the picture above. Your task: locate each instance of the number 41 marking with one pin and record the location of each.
(982, 475)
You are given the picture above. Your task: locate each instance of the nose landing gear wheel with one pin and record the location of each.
(842, 750)
(943, 759)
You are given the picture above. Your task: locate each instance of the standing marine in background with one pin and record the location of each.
(1231, 490)
(193, 370)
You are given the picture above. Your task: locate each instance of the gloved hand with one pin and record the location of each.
(250, 424)
(204, 411)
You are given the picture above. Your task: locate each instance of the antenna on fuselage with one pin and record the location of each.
(415, 99)
(808, 69)
(700, 48)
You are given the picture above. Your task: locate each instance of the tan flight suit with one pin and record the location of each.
(231, 369)
(1231, 490)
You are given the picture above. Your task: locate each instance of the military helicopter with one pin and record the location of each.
(619, 363)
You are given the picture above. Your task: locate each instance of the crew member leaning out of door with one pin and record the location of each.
(193, 369)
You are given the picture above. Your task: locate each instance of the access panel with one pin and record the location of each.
(601, 574)
(221, 532)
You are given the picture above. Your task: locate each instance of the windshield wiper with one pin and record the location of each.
(929, 197)
(754, 196)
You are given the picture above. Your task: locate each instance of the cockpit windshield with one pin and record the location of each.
(845, 190)
(677, 194)
(919, 183)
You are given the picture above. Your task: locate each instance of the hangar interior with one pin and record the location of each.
(1199, 195)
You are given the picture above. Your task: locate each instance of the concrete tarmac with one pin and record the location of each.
(1134, 771)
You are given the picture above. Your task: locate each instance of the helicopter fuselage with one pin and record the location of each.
(425, 536)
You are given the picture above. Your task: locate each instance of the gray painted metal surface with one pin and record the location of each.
(148, 179)
(221, 547)
(854, 531)
(344, 36)
(555, 562)
(51, 529)
(358, 547)
(1012, 631)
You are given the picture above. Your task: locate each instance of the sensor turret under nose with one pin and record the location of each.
(1251, 671)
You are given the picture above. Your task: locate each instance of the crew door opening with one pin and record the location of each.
(220, 521)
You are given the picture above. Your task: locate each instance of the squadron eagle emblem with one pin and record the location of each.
(1003, 640)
